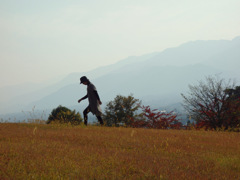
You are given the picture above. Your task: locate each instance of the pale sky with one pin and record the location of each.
(44, 39)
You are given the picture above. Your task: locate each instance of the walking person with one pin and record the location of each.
(94, 101)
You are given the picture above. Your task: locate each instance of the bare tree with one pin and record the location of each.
(207, 103)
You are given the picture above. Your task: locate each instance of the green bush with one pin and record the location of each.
(121, 110)
(64, 115)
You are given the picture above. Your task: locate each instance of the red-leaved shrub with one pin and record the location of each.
(156, 119)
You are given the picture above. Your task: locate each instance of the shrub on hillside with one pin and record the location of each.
(62, 114)
(156, 119)
(121, 110)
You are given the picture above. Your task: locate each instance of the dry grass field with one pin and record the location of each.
(35, 151)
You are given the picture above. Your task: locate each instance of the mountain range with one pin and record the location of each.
(157, 78)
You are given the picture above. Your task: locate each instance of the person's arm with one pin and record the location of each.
(85, 97)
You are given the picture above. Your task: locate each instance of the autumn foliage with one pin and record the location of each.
(156, 119)
(227, 117)
(214, 104)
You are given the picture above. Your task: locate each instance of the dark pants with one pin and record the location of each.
(85, 113)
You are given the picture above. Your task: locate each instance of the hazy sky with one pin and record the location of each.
(43, 39)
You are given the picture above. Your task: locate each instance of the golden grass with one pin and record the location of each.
(33, 151)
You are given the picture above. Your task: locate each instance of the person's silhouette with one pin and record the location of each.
(94, 101)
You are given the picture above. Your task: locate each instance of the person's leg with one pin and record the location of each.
(100, 119)
(85, 114)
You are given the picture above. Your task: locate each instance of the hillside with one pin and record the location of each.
(33, 151)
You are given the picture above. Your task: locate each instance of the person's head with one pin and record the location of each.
(84, 80)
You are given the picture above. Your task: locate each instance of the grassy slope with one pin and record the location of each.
(52, 152)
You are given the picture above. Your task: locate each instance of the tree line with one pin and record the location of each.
(212, 104)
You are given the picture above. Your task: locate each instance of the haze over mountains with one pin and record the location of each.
(157, 79)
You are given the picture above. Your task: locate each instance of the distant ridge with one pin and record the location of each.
(156, 78)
